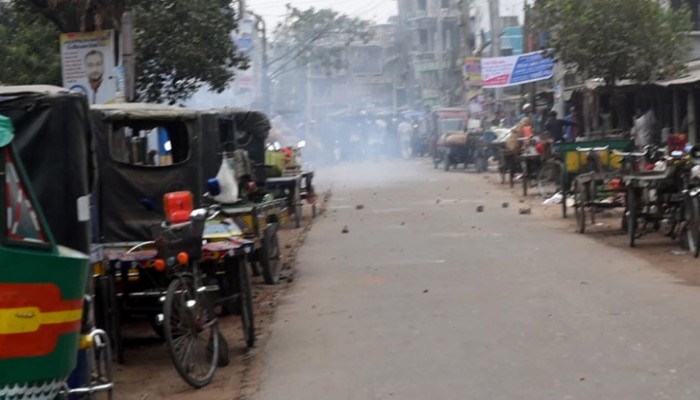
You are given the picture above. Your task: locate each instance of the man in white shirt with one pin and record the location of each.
(405, 131)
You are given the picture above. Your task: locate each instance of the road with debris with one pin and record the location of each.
(424, 297)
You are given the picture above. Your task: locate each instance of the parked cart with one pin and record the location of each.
(575, 162)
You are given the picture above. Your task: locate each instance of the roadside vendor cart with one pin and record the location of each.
(658, 200)
(601, 186)
(576, 162)
(238, 137)
(288, 181)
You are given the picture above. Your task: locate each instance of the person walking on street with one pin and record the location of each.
(433, 132)
(405, 131)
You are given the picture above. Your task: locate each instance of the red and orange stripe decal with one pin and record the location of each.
(32, 317)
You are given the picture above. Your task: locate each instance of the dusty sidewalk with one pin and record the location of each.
(149, 374)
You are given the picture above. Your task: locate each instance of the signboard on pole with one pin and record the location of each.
(516, 70)
(87, 61)
(473, 84)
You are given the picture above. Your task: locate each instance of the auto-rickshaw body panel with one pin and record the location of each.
(42, 284)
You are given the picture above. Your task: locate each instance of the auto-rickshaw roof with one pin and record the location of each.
(52, 139)
(32, 89)
(143, 111)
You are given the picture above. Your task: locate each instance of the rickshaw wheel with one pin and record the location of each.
(549, 179)
(247, 316)
(270, 256)
(632, 216)
(579, 208)
(692, 210)
(191, 332)
(108, 319)
(228, 285)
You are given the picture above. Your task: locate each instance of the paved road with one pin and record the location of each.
(425, 298)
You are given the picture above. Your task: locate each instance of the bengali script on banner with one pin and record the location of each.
(516, 70)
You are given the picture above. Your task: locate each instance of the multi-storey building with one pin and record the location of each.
(432, 28)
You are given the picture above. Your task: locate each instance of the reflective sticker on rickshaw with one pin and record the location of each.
(22, 220)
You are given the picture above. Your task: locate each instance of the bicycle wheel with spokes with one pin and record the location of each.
(580, 200)
(692, 213)
(632, 212)
(549, 179)
(246, 294)
(191, 332)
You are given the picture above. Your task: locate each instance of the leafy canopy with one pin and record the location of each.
(318, 35)
(181, 45)
(642, 40)
(28, 48)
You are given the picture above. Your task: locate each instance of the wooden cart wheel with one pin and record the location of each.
(246, 296)
(692, 213)
(579, 206)
(632, 213)
(270, 255)
(526, 180)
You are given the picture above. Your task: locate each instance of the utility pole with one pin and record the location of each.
(465, 11)
(495, 17)
(128, 56)
(261, 27)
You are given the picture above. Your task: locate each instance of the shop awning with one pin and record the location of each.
(688, 79)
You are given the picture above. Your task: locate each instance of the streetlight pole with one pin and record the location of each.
(265, 79)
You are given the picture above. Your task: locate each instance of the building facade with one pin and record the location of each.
(433, 28)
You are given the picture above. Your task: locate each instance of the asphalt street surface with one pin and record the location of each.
(426, 298)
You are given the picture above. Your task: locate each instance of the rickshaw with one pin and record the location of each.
(238, 138)
(575, 162)
(146, 154)
(49, 347)
(658, 200)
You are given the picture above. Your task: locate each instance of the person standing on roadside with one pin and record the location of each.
(556, 126)
(513, 143)
(572, 131)
(405, 131)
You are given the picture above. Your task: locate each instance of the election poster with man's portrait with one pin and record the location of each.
(88, 65)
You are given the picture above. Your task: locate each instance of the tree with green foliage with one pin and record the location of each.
(641, 40)
(318, 35)
(181, 45)
(28, 48)
(316, 39)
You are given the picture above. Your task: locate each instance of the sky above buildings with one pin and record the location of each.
(376, 10)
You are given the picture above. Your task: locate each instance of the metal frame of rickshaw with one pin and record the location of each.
(259, 217)
(574, 164)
